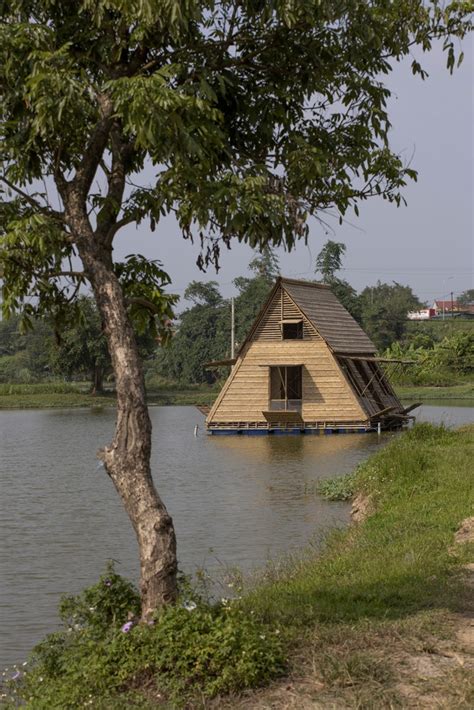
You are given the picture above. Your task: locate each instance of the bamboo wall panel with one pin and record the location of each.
(291, 310)
(281, 308)
(326, 394)
(269, 327)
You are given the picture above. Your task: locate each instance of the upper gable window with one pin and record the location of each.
(292, 330)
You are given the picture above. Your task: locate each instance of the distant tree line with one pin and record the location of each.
(202, 332)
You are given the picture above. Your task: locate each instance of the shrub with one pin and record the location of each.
(13, 368)
(108, 604)
(340, 488)
(439, 363)
(104, 654)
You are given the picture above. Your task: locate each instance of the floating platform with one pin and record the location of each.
(323, 430)
(267, 432)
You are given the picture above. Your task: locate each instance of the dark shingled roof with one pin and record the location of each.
(336, 325)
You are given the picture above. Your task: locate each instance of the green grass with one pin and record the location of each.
(54, 400)
(464, 390)
(398, 562)
(43, 388)
(384, 593)
(69, 395)
(47, 395)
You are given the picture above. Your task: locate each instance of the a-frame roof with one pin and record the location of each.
(327, 314)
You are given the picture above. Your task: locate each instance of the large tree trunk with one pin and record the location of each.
(127, 458)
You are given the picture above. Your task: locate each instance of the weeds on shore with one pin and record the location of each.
(340, 488)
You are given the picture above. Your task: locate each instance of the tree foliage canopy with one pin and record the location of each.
(83, 347)
(466, 298)
(384, 309)
(266, 264)
(253, 114)
(329, 260)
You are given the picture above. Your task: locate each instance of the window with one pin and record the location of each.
(292, 330)
(286, 387)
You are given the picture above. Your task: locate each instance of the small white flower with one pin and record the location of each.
(277, 631)
(189, 606)
(262, 636)
(24, 663)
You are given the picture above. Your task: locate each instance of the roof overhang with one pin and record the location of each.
(375, 359)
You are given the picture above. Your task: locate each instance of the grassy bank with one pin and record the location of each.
(370, 623)
(66, 395)
(460, 391)
(375, 619)
(44, 396)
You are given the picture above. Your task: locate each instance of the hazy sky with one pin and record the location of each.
(427, 245)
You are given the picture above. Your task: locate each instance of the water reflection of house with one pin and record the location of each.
(305, 366)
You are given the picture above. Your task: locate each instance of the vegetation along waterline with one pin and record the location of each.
(379, 619)
(70, 395)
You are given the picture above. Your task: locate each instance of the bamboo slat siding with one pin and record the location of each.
(269, 327)
(326, 394)
(291, 310)
(281, 308)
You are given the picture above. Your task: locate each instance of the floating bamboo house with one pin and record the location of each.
(306, 366)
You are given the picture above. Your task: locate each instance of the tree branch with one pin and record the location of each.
(95, 148)
(107, 217)
(143, 302)
(114, 228)
(31, 201)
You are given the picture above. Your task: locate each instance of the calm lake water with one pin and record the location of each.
(235, 501)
